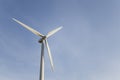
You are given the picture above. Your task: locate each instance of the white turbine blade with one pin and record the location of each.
(49, 54)
(53, 31)
(27, 27)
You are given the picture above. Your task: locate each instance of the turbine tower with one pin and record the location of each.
(43, 42)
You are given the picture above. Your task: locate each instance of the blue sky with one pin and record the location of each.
(87, 48)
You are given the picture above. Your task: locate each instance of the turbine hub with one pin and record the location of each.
(41, 40)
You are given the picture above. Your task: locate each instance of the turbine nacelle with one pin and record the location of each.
(43, 38)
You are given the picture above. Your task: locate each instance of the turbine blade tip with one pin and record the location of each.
(53, 69)
(61, 26)
(14, 19)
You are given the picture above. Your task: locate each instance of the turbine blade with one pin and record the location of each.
(29, 28)
(49, 54)
(53, 31)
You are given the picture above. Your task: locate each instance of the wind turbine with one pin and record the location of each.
(44, 42)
